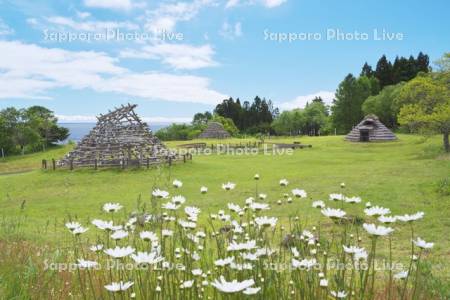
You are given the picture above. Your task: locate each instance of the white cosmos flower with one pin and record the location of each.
(187, 284)
(144, 258)
(422, 244)
(148, 236)
(225, 261)
(192, 211)
(377, 211)
(249, 256)
(119, 234)
(304, 264)
(299, 193)
(166, 232)
(368, 204)
(387, 219)
(284, 182)
(295, 252)
(264, 252)
(337, 197)
(119, 286)
(160, 194)
(106, 225)
(333, 213)
(178, 199)
(339, 294)
(352, 249)
(79, 230)
(410, 218)
(262, 196)
(241, 246)
(353, 199)
(323, 283)
(96, 248)
(318, 204)
(266, 221)
(240, 267)
(197, 272)
(259, 206)
(401, 275)
(251, 291)
(86, 264)
(112, 207)
(234, 207)
(249, 200)
(360, 255)
(232, 286)
(187, 224)
(203, 190)
(72, 225)
(377, 231)
(119, 252)
(170, 206)
(177, 184)
(228, 186)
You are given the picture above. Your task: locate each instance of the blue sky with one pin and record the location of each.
(182, 57)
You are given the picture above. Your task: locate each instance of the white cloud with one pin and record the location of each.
(266, 3)
(273, 3)
(110, 4)
(167, 15)
(231, 31)
(94, 26)
(5, 29)
(300, 101)
(150, 120)
(231, 3)
(28, 71)
(179, 56)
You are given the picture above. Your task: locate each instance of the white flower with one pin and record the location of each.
(339, 294)
(166, 232)
(266, 221)
(96, 248)
(79, 230)
(377, 211)
(387, 219)
(177, 184)
(112, 207)
(148, 236)
(223, 262)
(240, 267)
(401, 275)
(410, 218)
(249, 256)
(422, 244)
(256, 177)
(160, 194)
(353, 199)
(295, 252)
(333, 213)
(119, 234)
(262, 196)
(151, 258)
(192, 211)
(118, 286)
(72, 225)
(318, 204)
(342, 185)
(186, 224)
(178, 199)
(197, 272)
(360, 255)
(304, 264)
(241, 246)
(249, 200)
(203, 190)
(170, 206)
(352, 249)
(86, 264)
(259, 206)
(187, 284)
(378, 231)
(119, 252)
(323, 283)
(299, 193)
(368, 204)
(228, 186)
(234, 207)
(105, 225)
(337, 197)
(284, 182)
(251, 291)
(233, 286)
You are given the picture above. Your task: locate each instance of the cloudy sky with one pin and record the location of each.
(175, 58)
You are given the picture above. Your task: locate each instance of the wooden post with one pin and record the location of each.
(44, 164)
(148, 162)
(53, 164)
(71, 164)
(95, 164)
(170, 161)
(184, 158)
(123, 163)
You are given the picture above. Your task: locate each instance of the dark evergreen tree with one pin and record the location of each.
(383, 72)
(423, 63)
(367, 70)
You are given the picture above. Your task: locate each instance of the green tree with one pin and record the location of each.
(227, 123)
(383, 72)
(443, 63)
(202, 118)
(367, 70)
(425, 104)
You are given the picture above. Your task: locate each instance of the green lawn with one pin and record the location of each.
(403, 176)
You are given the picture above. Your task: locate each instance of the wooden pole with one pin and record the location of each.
(53, 164)
(71, 164)
(184, 158)
(95, 164)
(44, 164)
(148, 162)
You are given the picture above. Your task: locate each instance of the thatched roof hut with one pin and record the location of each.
(370, 129)
(117, 136)
(214, 130)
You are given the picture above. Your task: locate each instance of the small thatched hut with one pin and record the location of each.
(214, 130)
(370, 129)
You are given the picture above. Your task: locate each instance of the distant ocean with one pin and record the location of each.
(79, 130)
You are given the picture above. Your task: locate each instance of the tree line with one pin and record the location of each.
(31, 129)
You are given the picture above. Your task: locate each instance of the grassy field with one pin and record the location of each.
(407, 176)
